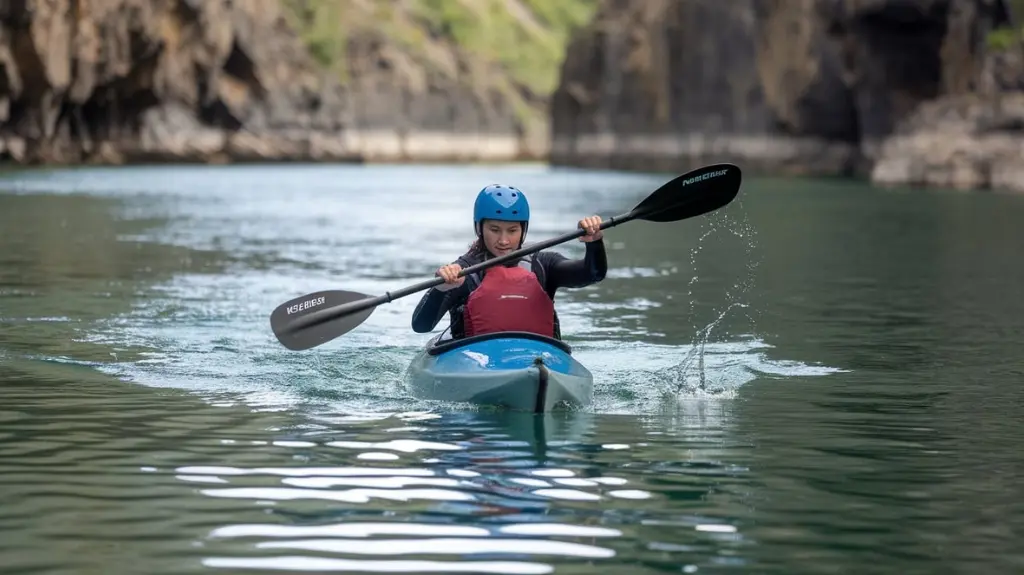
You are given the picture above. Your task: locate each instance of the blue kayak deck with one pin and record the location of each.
(503, 351)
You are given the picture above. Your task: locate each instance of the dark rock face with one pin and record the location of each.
(652, 83)
(799, 86)
(971, 139)
(215, 80)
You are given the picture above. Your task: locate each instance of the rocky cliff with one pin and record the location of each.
(973, 140)
(797, 86)
(220, 80)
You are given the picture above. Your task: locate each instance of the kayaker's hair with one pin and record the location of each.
(477, 247)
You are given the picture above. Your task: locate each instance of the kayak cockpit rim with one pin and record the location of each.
(451, 344)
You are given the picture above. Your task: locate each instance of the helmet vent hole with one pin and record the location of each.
(515, 212)
(497, 211)
(498, 194)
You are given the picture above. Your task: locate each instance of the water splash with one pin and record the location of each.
(695, 359)
(692, 367)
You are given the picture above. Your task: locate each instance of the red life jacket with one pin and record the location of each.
(509, 299)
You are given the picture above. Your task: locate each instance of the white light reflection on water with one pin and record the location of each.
(491, 489)
(319, 564)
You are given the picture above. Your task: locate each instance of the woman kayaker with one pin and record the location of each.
(518, 295)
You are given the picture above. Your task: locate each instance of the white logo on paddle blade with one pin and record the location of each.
(703, 177)
(306, 305)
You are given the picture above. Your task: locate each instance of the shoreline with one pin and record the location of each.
(883, 165)
(755, 154)
(630, 153)
(281, 146)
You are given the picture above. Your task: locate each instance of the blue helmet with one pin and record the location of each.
(498, 202)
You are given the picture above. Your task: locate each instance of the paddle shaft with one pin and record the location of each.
(331, 313)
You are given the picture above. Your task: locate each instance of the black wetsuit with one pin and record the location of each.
(553, 271)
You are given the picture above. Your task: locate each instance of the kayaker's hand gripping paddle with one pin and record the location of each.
(319, 317)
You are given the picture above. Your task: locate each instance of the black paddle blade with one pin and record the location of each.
(283, 319)
(692, 194)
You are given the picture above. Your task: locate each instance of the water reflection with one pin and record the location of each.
(491, 492)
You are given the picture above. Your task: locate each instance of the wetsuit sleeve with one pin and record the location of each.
(436, 303)
(563, 272)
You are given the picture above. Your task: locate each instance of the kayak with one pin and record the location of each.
(515, 370)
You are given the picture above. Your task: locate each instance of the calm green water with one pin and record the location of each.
(821, 378)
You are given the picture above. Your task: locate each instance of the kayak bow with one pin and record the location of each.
(516, 370)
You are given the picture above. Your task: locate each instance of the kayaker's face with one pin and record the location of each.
(501, 238)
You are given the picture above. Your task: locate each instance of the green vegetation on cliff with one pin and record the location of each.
(1003, 38)
(1008, 37)
(525, 38)
(321, 26)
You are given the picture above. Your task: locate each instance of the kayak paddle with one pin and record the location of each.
(319, 317)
